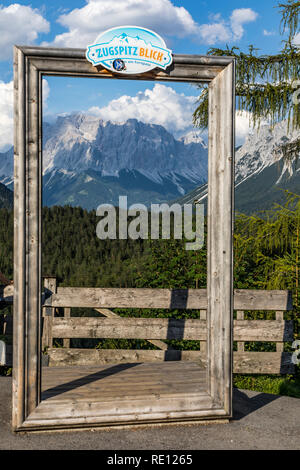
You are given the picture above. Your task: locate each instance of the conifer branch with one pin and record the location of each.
(265, 84)
(290, 12)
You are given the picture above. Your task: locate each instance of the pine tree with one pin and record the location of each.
(267, 249)
(266, 84)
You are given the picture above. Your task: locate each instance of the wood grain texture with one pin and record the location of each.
(48, 314)
(280, 318)
(263, 330)
(166, 328)
(33, 234)
(243, 362)
(134, 328)
(244, 299)
(263, 363)
(19, 288)
(109, 314)
(220, 205)
(81, 357)
(177, 72)
(128, 298)
(67, 314)
(115, 380)
(240, 315)
(165, 298)
(122, 393)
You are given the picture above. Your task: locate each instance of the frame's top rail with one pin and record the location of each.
(71, 53)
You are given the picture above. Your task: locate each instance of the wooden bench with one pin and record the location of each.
(157, 330)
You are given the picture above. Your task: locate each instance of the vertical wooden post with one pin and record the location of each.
(279, 346)
(33, 255)
(48, 314)
(203, 316)
(67, 314)
(241, 344)
(221, 140)
(19, 382)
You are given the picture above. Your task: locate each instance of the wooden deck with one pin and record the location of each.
(116, 393)
(115, 382)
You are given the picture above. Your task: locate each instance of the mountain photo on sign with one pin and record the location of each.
(129, 50)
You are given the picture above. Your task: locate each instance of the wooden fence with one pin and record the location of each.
(156, 330)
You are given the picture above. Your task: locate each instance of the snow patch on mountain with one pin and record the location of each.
(195, 136)
(259, 159)
(260, 151)
(79, 142)
(7, 167)
(83, 152)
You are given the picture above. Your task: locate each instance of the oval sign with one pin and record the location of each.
(129, 50)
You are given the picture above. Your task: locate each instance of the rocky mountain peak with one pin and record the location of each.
(79, 142)
(260, 151)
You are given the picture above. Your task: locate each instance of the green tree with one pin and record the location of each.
(274, 240)
(266, 84)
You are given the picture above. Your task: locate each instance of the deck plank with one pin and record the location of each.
(122, 393)
(115, 382)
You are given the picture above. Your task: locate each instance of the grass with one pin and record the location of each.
(288, 385)
(5, 371)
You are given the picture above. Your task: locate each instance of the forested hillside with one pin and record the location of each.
(6, 197)
(73, 253)
(266, 252)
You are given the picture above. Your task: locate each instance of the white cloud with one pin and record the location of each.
(224, 31)
(238, 18)
(162, 105)
(6, 115)
(296, 40)
(244, 125)
(84, 24)
(46, 92)
(19, 24)
(215, 32)
(6, 112)
(268, 33)
(159, 105)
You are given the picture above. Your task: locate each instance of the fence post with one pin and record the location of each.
(240, 315)
(67, 314)
(203, 316)
(279, 346)
(48, 314)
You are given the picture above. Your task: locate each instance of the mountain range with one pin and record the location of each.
(261, 173)
(88, 161)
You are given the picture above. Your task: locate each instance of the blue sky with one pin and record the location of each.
(187, 26)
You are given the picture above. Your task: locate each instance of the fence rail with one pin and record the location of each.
(166, 328)
(163, 298)
(157, 330)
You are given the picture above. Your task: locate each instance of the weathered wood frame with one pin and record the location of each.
(30, 64)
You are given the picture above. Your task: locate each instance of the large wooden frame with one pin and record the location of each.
(30, 64)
